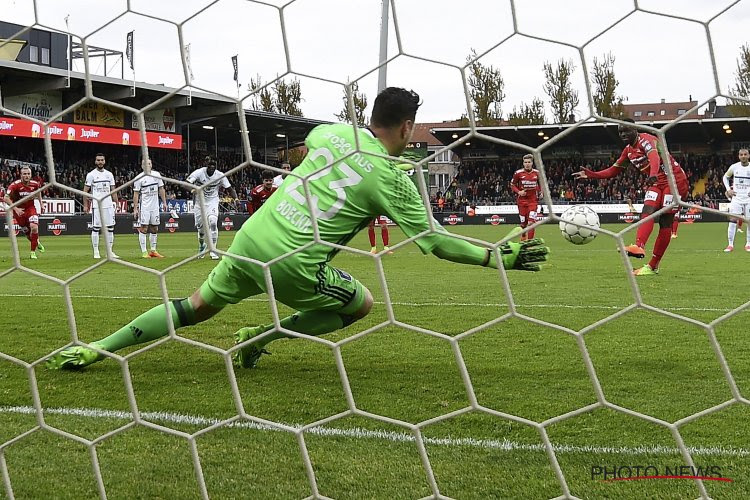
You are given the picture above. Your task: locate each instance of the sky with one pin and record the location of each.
(656, 57)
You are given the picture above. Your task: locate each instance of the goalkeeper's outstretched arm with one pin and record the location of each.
(525, 256)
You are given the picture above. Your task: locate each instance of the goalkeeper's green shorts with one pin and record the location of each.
(324, 288)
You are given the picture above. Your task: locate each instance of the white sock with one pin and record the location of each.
(95, 240)
(731, 231)
(142, 241)
(213, 230)
(152, 240)
(110, 237)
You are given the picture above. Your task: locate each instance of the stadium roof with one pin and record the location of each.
(706, 131)
(265, 129)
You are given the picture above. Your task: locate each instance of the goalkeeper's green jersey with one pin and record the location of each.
(346, 196)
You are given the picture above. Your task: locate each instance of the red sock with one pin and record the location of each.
(660, 246)
(371, 234)
(675, 225)
(530, 234)
(644, 232)
(34, 238)
(384, 235)
(739, 223)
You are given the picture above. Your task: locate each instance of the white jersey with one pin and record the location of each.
(102, 183)
(278, 180)
(199, 177)
(740, 176)
(148, 186)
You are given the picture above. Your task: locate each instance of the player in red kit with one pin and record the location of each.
(643, 152)
(383, 221)
(25, 213)
(525, 184)
(262, 192)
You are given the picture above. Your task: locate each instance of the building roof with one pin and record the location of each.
(660, 110)
(423, 131)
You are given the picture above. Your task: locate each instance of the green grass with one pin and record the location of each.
(644, 360)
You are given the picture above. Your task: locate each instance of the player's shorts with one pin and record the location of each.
(212, 210)
(106, 218)
(660, 195)
(28, 217)
(324, 288)
(527, 211)
(739, 207)
(149, 217)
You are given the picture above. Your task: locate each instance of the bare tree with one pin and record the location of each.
(606, 100)
(558, 86)
(487, 94)
(741, 84)
(360, 104)
(526, 114)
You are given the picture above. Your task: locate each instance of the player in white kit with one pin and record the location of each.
(147, 189)
(739, 195)
(212, 179)
(100, 183)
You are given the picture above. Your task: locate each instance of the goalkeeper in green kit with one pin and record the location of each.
(345, 195)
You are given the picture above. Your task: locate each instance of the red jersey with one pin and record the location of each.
(18, 190)
(528, 182)
(645, 156)
(259, 195)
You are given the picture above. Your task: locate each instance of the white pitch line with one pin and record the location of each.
(395, 303)
(359, 433)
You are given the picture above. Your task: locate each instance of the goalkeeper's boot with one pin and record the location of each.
(155, 255)
(248, 356)
(635, 251)
(73, 358)
(33, 256)
(646, 271)
(145, 255)
(40, 247)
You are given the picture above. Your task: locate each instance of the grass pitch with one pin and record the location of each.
(645, 361)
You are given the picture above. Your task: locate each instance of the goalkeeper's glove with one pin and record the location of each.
(524, 256)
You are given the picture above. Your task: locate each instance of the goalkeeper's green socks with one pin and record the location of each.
(310, 323)
(149, 326)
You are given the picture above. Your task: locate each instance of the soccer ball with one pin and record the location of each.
(580, 214)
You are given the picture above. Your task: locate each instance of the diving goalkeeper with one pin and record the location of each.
(345, 196)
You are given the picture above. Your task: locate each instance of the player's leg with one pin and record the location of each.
(213, 231)
(523, 215)
(109, 219)
(371, 234)
(739, 225)
(337, 301)
(96, 227)
(665, 229)
(34, 236)
(735, 208)
(675, 225)
(385, 235)
(198, 217)
(531, 220)
(651, 203)
(142, 240)
(226, 284)
(153, 233)
(746, 213)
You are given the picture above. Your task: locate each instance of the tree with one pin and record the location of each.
(287, 97)
(528, 114)
(558, 86)
(741, 84)
(262, 101)
(360, 104)
(487, 94)
(606, 100)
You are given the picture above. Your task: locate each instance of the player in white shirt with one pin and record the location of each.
(738, 194)
(101, 184)
(147, 189)
(212, 179)
(280, 178)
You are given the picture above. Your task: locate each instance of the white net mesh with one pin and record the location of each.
(245, 417)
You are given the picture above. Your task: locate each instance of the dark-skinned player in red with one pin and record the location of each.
(525, 184)
(642, 150)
